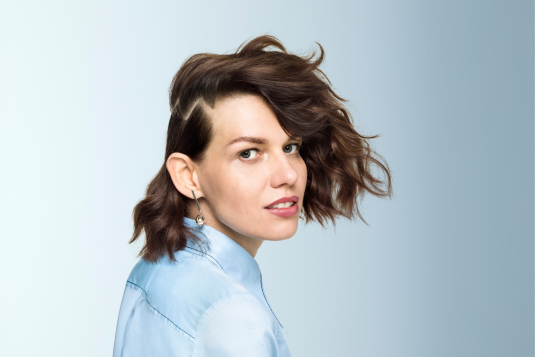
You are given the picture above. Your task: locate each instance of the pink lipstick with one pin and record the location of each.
(282, 210)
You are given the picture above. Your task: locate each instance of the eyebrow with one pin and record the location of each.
(249, 139)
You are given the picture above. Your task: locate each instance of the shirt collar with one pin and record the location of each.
(231, 257)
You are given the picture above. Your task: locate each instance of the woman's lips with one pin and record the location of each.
(283, 200)
(284, 212)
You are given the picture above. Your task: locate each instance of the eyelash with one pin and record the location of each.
(247, 159)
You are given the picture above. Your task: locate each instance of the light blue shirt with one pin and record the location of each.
(209, 304)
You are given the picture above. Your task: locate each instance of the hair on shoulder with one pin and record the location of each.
(341, 165)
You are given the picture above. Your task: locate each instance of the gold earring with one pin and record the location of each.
(200, 218)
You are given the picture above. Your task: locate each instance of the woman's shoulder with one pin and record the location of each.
(190, 275)
(184, 289)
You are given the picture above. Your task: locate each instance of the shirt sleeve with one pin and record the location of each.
(236, 326)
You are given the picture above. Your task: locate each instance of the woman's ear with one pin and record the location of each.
(183, 174)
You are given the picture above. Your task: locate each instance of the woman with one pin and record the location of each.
(256, 139)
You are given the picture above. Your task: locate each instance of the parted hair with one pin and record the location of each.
(341, 165)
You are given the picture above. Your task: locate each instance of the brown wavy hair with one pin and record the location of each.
(340, 162)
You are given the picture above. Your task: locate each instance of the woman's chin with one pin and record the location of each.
(279, 230)
(262, 225)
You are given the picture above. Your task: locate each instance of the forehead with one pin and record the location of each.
(244, 115)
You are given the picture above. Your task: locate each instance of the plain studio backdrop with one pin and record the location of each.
(445, 268)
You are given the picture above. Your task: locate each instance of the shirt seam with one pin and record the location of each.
(158, 313)
(267, 302)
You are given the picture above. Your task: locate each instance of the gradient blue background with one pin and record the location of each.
(443, 269)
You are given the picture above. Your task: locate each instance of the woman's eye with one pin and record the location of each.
(247, 154)
(290, 149)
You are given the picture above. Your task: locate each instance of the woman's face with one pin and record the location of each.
(249, 164)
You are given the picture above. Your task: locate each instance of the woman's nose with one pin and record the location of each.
(282, 172)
